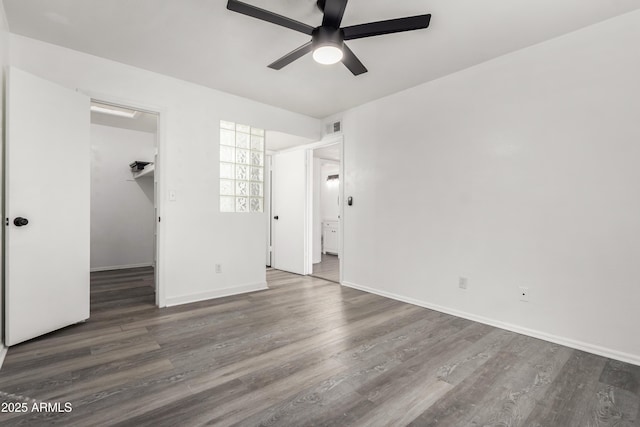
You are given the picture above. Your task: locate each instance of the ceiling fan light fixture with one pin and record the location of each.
(327, 45)
(328, 54)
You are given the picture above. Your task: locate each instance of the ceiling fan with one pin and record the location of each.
(327, 40)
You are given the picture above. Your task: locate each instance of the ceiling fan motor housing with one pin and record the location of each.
(327, 36)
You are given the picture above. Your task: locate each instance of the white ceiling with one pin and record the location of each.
(202, 42)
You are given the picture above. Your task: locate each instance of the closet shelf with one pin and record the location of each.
(147, 171)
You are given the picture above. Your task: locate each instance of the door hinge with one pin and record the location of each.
(6, 221)
(159, 219)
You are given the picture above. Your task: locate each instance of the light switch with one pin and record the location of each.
(172, 196)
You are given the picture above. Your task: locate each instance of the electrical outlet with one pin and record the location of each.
(523, 294)
(218, 268)
(462, 282)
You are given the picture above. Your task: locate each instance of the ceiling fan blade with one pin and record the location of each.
(265, 15)
(386, 27)
(333, 12)
(292, 56)
(351, 61)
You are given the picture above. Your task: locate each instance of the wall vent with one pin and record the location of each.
(333, 127)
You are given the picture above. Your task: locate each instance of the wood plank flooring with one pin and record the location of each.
(328, 268)
(306, 352)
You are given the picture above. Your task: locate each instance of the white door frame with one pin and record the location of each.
(159, 173)
(325, 142)
(267, 206)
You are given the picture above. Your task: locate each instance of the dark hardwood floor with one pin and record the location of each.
(305, 352)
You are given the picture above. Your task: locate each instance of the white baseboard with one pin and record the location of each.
(3, 353)
(121, 267)
(568, 342)
(217, 293)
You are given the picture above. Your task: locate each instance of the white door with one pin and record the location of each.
(289, 211)
(47, 207)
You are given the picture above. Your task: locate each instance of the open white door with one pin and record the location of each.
(289, 185)
(47, 207)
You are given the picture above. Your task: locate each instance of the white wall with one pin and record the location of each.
(122, 211)
(522, 171)
(194, 234)
(4, 61)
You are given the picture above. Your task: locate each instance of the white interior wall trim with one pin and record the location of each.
(218, 293)
(324, 142)
(567, 342)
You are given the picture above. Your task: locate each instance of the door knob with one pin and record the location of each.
(19, 221)
(276, 217)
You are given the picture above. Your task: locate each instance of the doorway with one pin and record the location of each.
(286, 201)
(326, 212)
(304, 226)
(124, 156)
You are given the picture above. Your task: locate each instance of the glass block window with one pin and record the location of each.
(241, 168)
